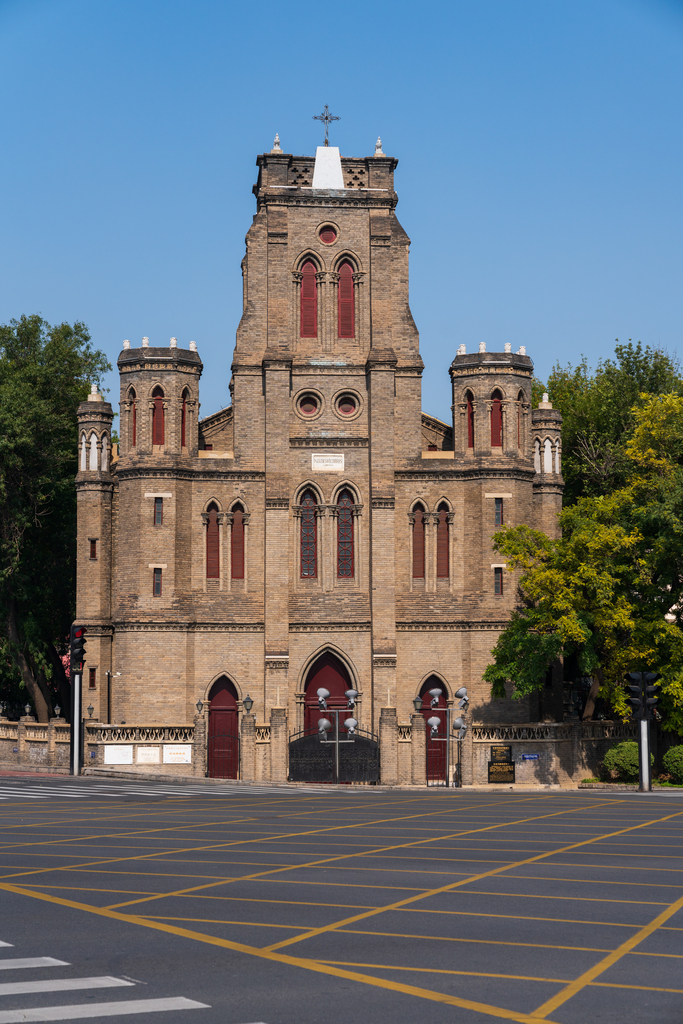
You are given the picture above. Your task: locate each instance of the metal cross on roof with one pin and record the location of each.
(326, 117)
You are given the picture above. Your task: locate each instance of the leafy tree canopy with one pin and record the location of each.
(598, 413)
(45, 373)
(610, 590)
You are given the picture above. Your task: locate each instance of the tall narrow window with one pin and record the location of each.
(498, 511)
(345, 536)
(93, 549)
(442, 546)
(498, 580)
(92, 679)
(156, 583)
(346, 311)
(212, 553)
(309, 536)
(309, 301)
(237, 544)
(419, 543)
(158, 416)
(133, 418)
(183, 421)
(496, 420)
(520, 399)
(158, 511)
(470, 419)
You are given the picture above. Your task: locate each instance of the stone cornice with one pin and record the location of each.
(328, 442)
(187, 627)
(144, 472)
(326, 627)
(513, 473)
(462, 626)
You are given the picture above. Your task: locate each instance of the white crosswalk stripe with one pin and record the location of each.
(77, 1011)
(41, 791)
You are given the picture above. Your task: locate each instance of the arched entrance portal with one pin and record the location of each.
(224, 742)
(337, 754)
(329, 673)
(437, 761)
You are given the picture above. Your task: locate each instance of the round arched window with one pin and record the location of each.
(347, 405)
(328, 235)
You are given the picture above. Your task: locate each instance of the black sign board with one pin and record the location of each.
(501, 755)
(501, 771)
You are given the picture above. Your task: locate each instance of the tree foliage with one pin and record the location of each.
(45, 373)
(610, 591)
(598, 413)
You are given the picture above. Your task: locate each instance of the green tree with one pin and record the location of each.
(598, 413)
(610, 591)
(45, 373)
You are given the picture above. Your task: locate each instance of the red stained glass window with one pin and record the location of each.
(309, 301)
(328, 235)
(212, 549)
(419, 543)
(237, 544)
(442, 546)
(158, 416)
(346, 311)
(496, 420)
(309, 536)
(470, 419)
(345, 536)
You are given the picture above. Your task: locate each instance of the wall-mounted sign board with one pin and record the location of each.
(501, 753)
(501, 771)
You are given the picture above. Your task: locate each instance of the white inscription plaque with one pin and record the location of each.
(178, 753)
(148, 755)
(328, 463)
(118, 754)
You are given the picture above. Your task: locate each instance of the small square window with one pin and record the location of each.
(92, 679)
(93, 549)
(158, 511)
(156, 584)
(498, 581)
(499, 511)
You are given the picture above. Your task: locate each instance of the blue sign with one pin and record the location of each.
(529, 757)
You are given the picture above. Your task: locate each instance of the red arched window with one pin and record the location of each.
(237, 543)
(470, 419)
(309, 536)
(309, 301)
(183, 422)
(345, 535)
(419, 543)
(496, 420)
(442, 546)
(133, 418)
(158, 416)
(212, 548)
(346, 312)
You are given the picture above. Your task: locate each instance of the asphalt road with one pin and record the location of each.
(203, 903)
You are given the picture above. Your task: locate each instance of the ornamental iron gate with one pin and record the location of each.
(312, 760)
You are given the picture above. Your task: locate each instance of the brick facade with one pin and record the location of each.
(391, 630)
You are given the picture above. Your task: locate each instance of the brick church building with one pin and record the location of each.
(322, 531)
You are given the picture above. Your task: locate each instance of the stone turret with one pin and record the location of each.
(548, 482)
(94, 487)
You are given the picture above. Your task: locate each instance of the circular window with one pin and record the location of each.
(328, 235)
(347, 405)
(308, 405)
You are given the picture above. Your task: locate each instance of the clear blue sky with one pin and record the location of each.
(539, 179)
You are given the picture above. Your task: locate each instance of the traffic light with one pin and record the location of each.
(643, 686)
(77, 648)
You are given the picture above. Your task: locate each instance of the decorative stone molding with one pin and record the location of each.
(328, 442)
(277, 503)
(329, 627)
(383, 503)
(449, 627)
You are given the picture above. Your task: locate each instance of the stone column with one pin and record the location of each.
(419, 750)
(466, 758)
(279, 761)
(247, 748)
(22, 756)
(199, 759)
(388, 746)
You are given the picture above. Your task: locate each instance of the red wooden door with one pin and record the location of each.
(224, 743)
(436, 748)
(327, 672)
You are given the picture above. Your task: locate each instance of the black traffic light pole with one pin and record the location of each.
(77, 650)
(644, 700)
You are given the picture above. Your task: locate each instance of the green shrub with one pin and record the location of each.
(621, 762)
(673, 763)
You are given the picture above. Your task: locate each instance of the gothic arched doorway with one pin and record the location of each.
(224, 742)
(437, 760)
(329, 673)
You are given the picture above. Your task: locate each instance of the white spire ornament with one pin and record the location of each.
(277, 148)
(378, 147)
